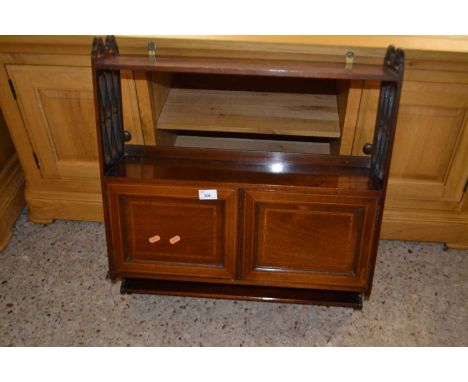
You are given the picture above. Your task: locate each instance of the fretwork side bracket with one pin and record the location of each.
(109, 108)
(386, 120)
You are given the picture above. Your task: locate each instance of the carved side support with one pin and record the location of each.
(102, 50)
(109, 103)
(384, 134)
(109, 122)
(387, 116)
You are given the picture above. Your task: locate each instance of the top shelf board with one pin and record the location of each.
(275, 68)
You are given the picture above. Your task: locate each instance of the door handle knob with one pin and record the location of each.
(368, 148)
(154, 239)
(174, 239)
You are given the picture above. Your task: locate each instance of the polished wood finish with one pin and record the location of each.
(242, 292)
(194, 238)
(273, 219)
(308, 238)
(240, 168)
(257, 67)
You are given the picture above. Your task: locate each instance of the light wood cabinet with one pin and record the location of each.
(429, 172)
(430, 144)
(11, 185)
(7, 150)
(58, 110)
(432, 141)
(56, 105)
(427, 198)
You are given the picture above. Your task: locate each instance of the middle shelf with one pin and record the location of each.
(310, 115)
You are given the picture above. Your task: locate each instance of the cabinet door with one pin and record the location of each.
(162, 230)
(430, 154)
(58, 110)
(319, 241)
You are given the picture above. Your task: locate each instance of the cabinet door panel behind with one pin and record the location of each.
(308, 239)
(58, 110)
(429, 155)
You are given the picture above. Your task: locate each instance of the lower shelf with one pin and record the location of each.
(242, 292)
(247, 142)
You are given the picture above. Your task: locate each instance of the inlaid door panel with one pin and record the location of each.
(307, 238)
(430, 154)
(57, 106)
(168, 230)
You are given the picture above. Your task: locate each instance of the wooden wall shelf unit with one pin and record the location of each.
(251, 222)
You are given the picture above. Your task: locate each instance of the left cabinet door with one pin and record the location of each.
(57, 106)
(162, 230)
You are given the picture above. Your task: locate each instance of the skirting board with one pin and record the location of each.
(45, 206)
(450, 228)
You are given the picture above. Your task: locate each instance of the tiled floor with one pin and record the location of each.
(53, 292)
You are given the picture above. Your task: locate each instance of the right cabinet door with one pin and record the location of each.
(317, 241)
(430, 153)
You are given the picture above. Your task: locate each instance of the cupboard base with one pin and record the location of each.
(45, 205)
(242, 292)
(11, 198)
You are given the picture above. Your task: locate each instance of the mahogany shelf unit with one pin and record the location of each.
(257, 206)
